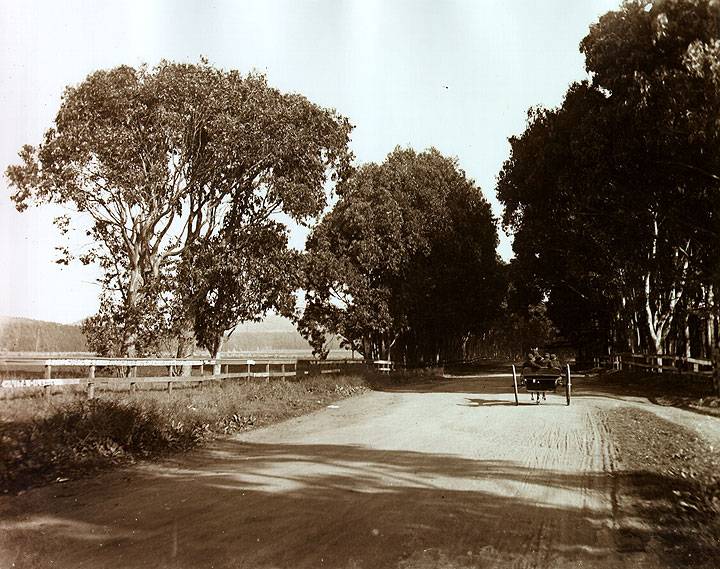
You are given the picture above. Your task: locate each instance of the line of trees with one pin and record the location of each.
(179, 175)
(181, 172)
(614, 197)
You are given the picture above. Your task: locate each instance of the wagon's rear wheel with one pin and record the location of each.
(515, 387)
(568, 384)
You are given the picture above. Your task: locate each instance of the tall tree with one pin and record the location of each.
(661, 59)
(169, 162)
(614, 196)
(404, 266)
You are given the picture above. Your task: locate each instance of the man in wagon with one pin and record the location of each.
(535, 362)
(533, 359)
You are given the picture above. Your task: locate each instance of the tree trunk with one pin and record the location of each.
(660, 306)
(716, 369)
(186, 344)
(132, 301)
(710, 329)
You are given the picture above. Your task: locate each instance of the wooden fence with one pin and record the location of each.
(124, 371)
(657, 363)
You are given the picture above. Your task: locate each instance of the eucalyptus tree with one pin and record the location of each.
(661, 60)
(614, 195)
(174, 164)
(405, 264)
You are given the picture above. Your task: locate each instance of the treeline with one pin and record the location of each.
(614, 197)
(182, 173)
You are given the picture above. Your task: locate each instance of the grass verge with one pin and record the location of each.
(67, 436)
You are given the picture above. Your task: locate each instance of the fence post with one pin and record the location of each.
(48, 371)
(282, 370)
(91, 383)
(267, 370)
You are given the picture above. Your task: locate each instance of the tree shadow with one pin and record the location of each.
(472, 402)
(473, 384)
(245, 504)
(471, 369)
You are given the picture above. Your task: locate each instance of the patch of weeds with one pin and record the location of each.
(48, 439)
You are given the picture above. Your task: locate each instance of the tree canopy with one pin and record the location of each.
(404, 265)
(178, 167)
(613, 197)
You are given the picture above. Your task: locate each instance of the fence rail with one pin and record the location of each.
(126, 370)
(657, 362)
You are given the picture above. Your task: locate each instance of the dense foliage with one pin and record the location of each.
(404, 266)
(613, 197)
(177, 172)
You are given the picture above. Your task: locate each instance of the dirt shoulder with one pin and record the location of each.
(675, 484)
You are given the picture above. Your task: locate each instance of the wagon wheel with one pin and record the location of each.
(568, 384)
(517, 401)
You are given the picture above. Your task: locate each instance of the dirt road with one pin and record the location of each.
(446, 474)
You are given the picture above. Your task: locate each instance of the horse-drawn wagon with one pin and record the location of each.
(541, 380)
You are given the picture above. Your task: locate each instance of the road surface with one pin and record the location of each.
(448, 474)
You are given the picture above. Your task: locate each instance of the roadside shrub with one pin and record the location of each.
(43, 441)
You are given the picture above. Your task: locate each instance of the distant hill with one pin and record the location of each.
(27, 335)
(272, 333)
(271, 323)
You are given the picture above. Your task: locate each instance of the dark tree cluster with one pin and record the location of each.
(405, 265)
(614, 197)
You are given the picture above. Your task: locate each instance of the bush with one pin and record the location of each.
(46, 442)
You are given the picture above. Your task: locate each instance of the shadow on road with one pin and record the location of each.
(291, 506)
(495, 378)
(524, 402)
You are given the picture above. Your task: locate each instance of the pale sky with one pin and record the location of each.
(457, 75)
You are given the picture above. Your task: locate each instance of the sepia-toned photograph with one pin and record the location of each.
(346, 284)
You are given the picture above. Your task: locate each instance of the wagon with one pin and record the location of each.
(539, 381)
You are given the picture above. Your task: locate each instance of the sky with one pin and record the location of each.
(456, 75)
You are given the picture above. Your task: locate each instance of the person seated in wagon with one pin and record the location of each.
(535, 361)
